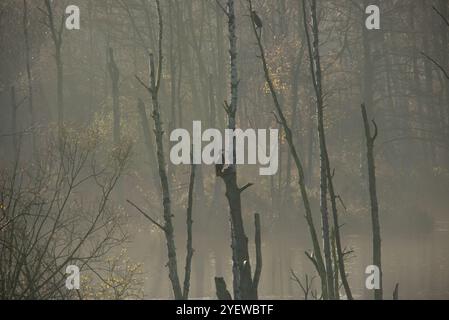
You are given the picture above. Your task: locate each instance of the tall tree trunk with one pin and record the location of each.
(315, 256)
(367, 80)
(315, 66)
(370, 139)
(243, 283)
(189, 245)
(169, 231)
(153, 89)
(221, 72)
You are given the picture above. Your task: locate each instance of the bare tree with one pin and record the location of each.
(315, 256)
(167, 228)
(326, 176)
(46, 225)
(153, 89)
(314, 57)
(244, 285)
(377, 249)
(189, 243)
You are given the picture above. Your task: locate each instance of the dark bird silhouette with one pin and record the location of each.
(256, 19)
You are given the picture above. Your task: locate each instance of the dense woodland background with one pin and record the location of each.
(82, 181)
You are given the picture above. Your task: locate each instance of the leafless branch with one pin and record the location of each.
(146, 215)
(446, 74)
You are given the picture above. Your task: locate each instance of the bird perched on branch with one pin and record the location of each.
(256, 20)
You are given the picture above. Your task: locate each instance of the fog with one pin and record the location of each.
(87, 178)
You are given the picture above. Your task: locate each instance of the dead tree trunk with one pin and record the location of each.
(368, 81)
(169, 232)
(258, 243)
(323, 147)
(315, 256)
(167, 228)
(315, 65)
(153, 89)
(370, 139)
(240, 256)
(243, 282)
(222, 290)
(189, 246)
(326, 175)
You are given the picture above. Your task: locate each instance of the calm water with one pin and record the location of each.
(418, 262)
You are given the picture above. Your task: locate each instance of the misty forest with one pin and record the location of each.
(358, 206)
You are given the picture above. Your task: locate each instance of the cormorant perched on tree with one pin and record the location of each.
(256, 19)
